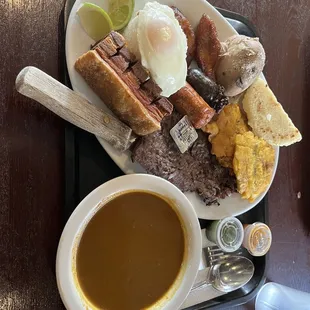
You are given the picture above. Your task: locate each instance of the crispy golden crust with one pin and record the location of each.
(223, 131)
(115, 93)
(253, 165)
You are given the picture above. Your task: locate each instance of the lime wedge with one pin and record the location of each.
(120, 12)
(95, 21)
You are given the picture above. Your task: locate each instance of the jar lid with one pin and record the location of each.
(257, 239)
(230, 234)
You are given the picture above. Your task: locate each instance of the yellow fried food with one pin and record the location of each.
(253, 165)
(223, 131)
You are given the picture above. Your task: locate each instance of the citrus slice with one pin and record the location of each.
(120, 12)
(95, 21)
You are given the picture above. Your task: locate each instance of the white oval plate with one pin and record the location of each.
(78, 43)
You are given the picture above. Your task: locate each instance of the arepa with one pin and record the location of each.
(267, 117)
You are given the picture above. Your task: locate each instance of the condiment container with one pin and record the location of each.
(226, 233)
(257, 238)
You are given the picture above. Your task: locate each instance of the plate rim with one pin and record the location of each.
(135, 167)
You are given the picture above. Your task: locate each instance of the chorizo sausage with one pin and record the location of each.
(188, 102)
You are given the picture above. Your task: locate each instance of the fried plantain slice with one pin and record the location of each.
(208, 46)
(223, 131)
(253, 165)
(189, 32)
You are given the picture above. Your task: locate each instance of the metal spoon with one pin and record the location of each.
(229, 275)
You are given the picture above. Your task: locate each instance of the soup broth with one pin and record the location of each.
(130, 252)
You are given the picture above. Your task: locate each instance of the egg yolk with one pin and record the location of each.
(161, 36)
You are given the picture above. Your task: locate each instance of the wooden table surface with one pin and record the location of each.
(32, 147)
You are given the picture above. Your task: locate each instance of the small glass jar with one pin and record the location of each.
(257, 238)
(226, 233)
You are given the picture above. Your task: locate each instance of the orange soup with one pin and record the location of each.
(130, 252)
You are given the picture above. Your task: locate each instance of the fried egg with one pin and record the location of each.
(156, 38)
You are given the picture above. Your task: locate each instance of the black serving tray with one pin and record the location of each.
(87, 166)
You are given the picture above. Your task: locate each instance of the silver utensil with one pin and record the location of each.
(215, 255)
(228, 275)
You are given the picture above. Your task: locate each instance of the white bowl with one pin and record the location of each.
(87, 208)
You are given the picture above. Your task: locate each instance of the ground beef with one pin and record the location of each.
(197, 170)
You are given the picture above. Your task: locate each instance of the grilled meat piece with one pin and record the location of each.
(197, 170)
(207, 89)
(188, 102)
(120, 62)
(152, 88)
(141, 73)
(112, 49)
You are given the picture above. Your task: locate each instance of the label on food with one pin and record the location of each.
(184, 134)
